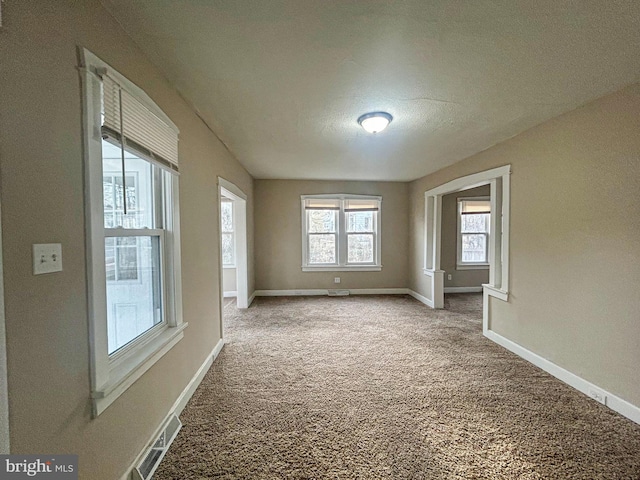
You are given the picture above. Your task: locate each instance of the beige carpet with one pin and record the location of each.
(383, 387)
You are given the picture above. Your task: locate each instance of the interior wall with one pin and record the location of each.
(449, 242)
(41, 167)
(278, 224)
(229, 283)
(575, 237)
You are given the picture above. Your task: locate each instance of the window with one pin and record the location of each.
(131, 159)
(340, 232)
(228, 236)
(474, 219)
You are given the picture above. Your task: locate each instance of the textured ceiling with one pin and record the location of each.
(282, 82)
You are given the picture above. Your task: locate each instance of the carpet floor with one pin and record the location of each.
(385, 388)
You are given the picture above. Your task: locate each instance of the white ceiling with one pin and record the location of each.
(282, 82)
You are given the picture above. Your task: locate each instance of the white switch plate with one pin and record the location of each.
(47, 258)
(336, 280)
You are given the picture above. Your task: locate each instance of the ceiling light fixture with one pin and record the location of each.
(375, 122)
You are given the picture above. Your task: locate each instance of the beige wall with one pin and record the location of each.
(41, 168)
(449, 239)
(279, 235)
(229, 283)
(575, 238)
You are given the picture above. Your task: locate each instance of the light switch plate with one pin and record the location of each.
(47, 258)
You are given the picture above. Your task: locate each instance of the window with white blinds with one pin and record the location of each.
(474, 220)
(133, 230)
(341, 232)
(128, 120)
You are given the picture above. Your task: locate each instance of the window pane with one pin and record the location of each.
(360, 221)
(110, 258)
(474, 248)
(135, 305)
(322, 248)
(360, 248)
(478, 223)
(227, 249)
(138, 188)
(321, 221)
(226, 210)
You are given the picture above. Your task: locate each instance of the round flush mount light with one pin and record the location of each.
(375, 122)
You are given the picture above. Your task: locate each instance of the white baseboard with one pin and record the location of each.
(229, 294)
(420, 298)
(251, 299)
(179, 404)
(463, 289)
(315, 292)
(614, 402)
(289, 293)
(378, 291)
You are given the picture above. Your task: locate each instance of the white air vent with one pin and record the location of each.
(338, 293)
(150, 461)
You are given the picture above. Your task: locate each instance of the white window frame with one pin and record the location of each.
(232, 232)
(112, 374)
(460, 265)
(341, 264)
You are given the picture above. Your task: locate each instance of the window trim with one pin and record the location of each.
(460, 265)
(112, 374)
(342, 264)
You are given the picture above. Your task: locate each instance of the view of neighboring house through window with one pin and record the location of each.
(133, 230)
(341, 231)
(132, 245)
(228, 236)
(474, 218)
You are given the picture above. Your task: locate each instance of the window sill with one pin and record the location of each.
(344, 268)
(126, 371)
(228, 267)
(480, 266)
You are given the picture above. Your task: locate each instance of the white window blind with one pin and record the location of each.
(321, 204)
(361, 205)
(474, 207)
(139, 128)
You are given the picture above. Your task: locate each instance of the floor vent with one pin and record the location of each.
(149, 463)
(338, 293)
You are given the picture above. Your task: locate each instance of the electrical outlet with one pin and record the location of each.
(47, 258)
(336, 280)
(449, 277)
(598, 395)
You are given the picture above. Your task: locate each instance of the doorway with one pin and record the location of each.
(232, 203)
(498, 180)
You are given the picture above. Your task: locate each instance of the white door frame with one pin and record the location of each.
(499, 180)
(240, 211)
(4, 388)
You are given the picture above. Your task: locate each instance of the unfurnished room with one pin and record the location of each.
(319, 239)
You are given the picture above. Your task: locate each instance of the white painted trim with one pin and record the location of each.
(252, 298)
(420, 298)
(289, 293)
(4, 388)
(462, 289)
(344, 268)
(378, 291)
(495, 292)
(498, 179)
(317, 292)
(229, 294)
(614, 402)
(191, 387)
(178, 405)
(239, 198)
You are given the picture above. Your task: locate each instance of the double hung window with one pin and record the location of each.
(341, 232)
(228, 235)
(131, 157)
(474, 219)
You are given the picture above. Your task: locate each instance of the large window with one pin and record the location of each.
(133, 230)
(341, 232)
(474, 219)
